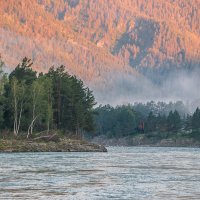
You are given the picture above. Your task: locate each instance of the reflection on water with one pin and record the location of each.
(122, 173)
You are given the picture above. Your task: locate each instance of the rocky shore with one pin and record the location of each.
(63, 145)
(144, 141)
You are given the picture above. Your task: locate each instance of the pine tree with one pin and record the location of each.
(3, 81)
(23, 72)
(196, 120)
(188, 123)
(173, 121)
(151, 122)
(177, 121)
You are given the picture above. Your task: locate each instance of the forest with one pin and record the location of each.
(32, 102)
(160, 119)
(35, 103)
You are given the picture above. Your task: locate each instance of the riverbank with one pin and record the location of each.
(142, 140)
(63, 145)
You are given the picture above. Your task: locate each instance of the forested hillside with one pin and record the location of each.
(106, 43)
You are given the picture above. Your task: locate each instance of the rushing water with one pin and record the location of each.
(122, 173)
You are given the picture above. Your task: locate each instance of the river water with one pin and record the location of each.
(123, 173)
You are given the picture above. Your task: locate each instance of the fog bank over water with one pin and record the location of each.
(177, 85)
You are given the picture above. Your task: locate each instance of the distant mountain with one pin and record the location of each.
(111, 44)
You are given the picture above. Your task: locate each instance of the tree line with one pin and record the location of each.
(34, 103)
(31, 102)
(146, 118)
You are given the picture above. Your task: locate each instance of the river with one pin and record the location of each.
(123, 173)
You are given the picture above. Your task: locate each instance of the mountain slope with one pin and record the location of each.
(107, 43)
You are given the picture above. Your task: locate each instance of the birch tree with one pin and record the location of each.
(41, 103)
(18, 99)
(36, 92)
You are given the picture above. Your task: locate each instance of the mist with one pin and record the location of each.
(119, 87)
(122, 88)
